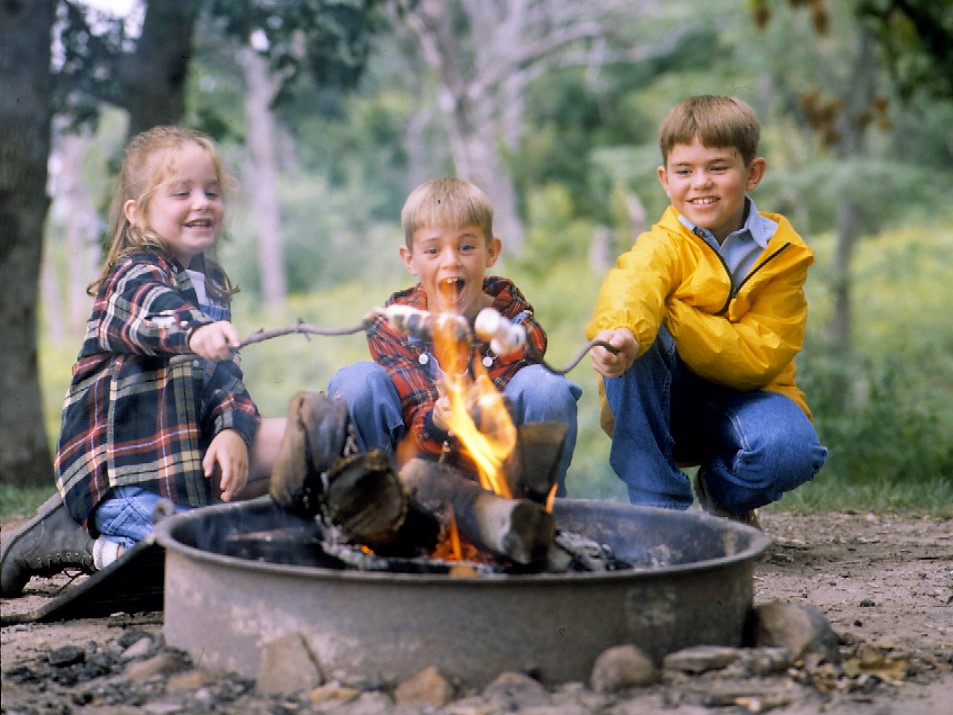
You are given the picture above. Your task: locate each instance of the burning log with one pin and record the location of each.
(515, 529)
(316, 474)
(367, 501)
(531, 469)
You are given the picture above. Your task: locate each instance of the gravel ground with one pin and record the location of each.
(884, 582)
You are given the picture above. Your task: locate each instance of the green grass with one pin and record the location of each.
(18, 503)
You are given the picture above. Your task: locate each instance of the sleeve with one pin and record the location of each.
(230, 405)
(634, 292)
(139, 311)
(759, 336)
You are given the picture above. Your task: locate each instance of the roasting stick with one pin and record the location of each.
(504, 336)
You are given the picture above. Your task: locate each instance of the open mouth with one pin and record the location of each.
(451, 288)
(199, 223)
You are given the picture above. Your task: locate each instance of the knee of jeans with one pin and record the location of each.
(359, 382)
(538, 388)
(779, 469)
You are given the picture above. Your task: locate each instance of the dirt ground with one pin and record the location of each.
(884, 582)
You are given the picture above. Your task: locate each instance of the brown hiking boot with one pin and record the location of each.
(749, 518)
(47, 544)
(317, 435)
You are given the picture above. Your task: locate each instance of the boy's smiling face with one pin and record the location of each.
(450, 264)
(707, 185)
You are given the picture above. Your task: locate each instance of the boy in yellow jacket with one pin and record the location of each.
(707, 312)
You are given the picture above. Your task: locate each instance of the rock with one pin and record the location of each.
(139, 649)
(66, 656)
(163, 663)
(516, 690)
(701, 658)
(190, 680)
(333, 693)
(766, 661)
(426, 688)
(801, 629)
(287, 667)
(621, 667)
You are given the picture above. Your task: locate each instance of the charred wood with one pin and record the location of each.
(515, 529)
(531, 469)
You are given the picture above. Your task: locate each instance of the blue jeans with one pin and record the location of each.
(751, 446)
(125, 515)
(536, 395)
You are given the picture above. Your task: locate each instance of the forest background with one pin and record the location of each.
(552, 106)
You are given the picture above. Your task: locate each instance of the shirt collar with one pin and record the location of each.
(756, 226)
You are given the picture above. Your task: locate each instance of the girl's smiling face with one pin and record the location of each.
(187, 212)
(707, 185)
(450, 264)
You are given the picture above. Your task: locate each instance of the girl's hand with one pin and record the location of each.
(610, 364)
(229, 454)
(215, 341)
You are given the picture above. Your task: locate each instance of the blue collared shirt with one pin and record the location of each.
(740, 248)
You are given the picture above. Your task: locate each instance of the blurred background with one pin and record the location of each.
(329, 112)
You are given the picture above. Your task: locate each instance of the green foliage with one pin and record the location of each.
(589, 150)
(886, 410)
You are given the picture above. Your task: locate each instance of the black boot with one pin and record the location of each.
(317, 435)
(49, 543)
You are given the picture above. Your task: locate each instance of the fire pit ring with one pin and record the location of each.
(692, 585)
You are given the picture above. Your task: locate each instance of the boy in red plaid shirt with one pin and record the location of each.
(396, 402)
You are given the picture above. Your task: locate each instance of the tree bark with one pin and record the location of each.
(153, 77)
(859, 98)
(261, 177)
(25, 121)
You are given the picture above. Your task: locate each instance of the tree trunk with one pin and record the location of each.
(153, 78)
(261, 177)
(859, 99)
(25, 121)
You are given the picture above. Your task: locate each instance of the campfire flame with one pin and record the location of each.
(491, 441)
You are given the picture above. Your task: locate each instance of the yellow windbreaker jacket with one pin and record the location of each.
(747, 342)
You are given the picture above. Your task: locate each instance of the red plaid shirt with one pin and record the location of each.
(141, 408)
(410, 361)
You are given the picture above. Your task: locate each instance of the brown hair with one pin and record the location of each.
(150, 161)
(446, 201)
(716, 121)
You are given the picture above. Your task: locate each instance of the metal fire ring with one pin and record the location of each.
(692, 585)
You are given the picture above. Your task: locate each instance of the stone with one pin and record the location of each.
(801, 629)
(164, 663)
(189, 681)
(516, 690)
(622, 667)
(140, 649)
(287, 667)
(427, 688)
(701, 658)
(333, 692)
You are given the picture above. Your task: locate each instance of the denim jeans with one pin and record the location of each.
(125, 515)
(751, 446)
(536, 395)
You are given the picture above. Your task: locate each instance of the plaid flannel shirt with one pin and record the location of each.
(141, 408)
(410, 360)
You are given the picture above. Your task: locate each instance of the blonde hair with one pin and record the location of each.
(149, 161)
(446, 201)
(718, 122)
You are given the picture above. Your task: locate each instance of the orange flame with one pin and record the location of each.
(490, 442)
